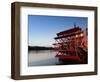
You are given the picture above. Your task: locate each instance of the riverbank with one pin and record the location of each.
(40, 48)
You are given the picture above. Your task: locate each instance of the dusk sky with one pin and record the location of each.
(43, 29)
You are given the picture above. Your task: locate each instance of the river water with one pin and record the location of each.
(42, 58)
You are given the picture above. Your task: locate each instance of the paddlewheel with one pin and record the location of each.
(71, 46)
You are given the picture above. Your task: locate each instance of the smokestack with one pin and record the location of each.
(74, 25)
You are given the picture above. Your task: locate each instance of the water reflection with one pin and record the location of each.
(42, 58)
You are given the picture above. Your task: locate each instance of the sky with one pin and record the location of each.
(43, 29)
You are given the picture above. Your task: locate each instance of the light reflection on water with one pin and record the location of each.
(42, 58)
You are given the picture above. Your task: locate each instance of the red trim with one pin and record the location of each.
(69, 31)
(68, 57)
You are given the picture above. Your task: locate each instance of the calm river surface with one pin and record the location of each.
(42, 58)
